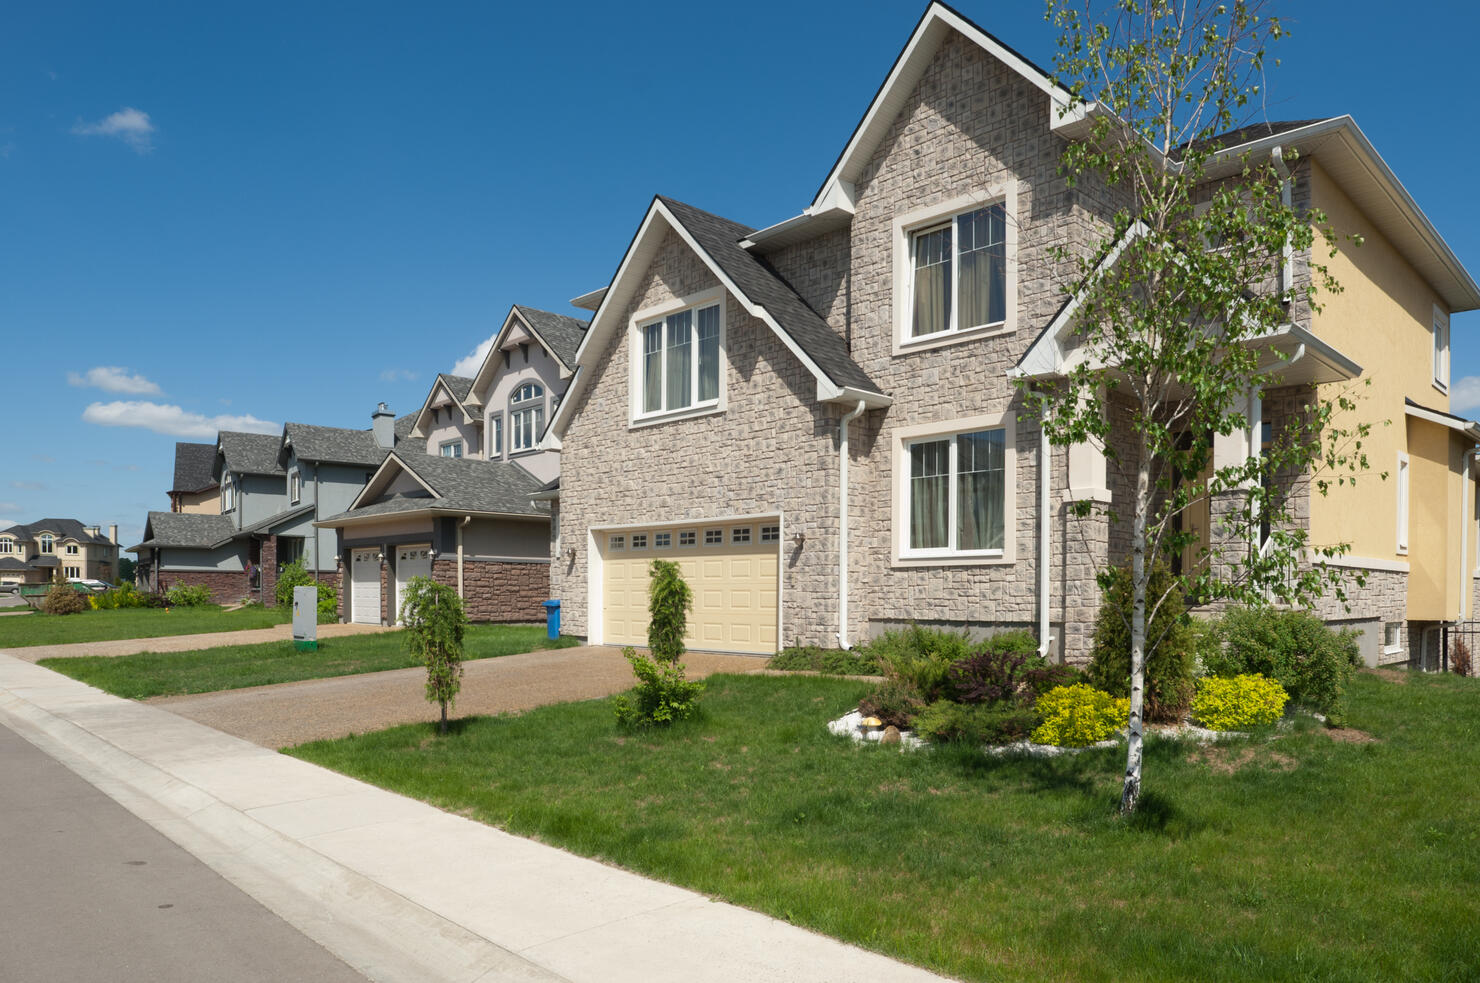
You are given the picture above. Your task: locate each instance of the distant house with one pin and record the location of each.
(195, 488)
(35, 552)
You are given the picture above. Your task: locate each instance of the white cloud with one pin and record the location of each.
(130, 125)
(113, 379)
(167, 419)
(471, 363)
(1464, 394)
(399, 375)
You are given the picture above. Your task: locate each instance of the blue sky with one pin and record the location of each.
(271, 212)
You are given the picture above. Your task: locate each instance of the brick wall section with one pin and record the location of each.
(269, 575)
(225, 587)
(386, 583)
(507, 593)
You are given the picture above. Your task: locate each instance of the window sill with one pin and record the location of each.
(954, 561)
(907, 346)
(1442, 387)
(708, 409)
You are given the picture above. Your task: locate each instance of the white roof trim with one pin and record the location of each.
(416, 429)
(1469, 428)
(590, 300)
(491, 360)
(374, 486)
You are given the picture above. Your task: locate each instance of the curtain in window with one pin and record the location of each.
(680, 369)
(932, 286)
(982, 292)
(652, 367)
(495, 436)
(980, 474)
(930, 488)
(709, 354)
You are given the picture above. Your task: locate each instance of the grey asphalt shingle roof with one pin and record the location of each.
(43, 561)
(459, 385)
(720, 239)
(563, 334)
(268, 523)
(462, 485)
(251, 453)
(195, 467)
(185, 529)
(11, 563)
(63, 528)
(336, 445)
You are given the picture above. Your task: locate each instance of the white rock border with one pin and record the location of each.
(851, 725)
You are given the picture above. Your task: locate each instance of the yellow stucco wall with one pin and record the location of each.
(202, 503)
(1383, 319)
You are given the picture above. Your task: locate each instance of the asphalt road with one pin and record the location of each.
(92, 893)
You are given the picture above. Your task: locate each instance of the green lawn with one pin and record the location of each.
(1306, 858)
(99, 626)
(137, 677)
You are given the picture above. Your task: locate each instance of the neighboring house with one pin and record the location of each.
(36, 552)
(195, 488)
(272, 489)
(459, 508)
(817, 420)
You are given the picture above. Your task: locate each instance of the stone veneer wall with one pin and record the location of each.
(493, 591)
(225, 587)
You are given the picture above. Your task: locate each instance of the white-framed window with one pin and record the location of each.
(662, 540)
(495, 436)
(688, 537)
(616, 542)
(48, 544)
(450, 448)
(740, 535)
(678, 364)
(228, 494)
(954, 497)
(295, 487)
(72, 549)
(770, 534)
(1402, 503)
(714, 537)
(72, 572)
(1441, 350)
(526, 417)
(639, 540)
(955, 269)
(7, 545)
(1392, 638)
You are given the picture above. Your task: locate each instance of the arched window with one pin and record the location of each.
(47, 543)
(526, 417)
(7, 545)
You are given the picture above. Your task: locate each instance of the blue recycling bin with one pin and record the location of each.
(552, 619)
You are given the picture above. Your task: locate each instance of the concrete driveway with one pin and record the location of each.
(314, 709)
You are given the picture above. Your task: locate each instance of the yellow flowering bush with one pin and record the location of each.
(1232, 703)
(1079, 715)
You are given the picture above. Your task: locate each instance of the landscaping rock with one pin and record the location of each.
(890, 736)
(1042, 750)
(852, 725)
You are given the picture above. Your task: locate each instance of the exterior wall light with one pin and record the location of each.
(799, 539)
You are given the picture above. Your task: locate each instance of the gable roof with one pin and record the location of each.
(333, 445)
(187, 530)
(250, 453)
(759, 289)
(456, 387)
(561, 334)
(61, 528)
(195, 467)
(452, 486)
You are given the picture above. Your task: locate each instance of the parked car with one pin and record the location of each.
(10, 587)
(92, 586)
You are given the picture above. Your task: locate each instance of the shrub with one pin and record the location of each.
(835, 662)
(1207, 642)
(1233, 703)
(669, 600)
(1295, 648)
(296, 575)
(895, 703)
(1005, 668)
(947, 722)
(921, 657)
(1168, 665)
(1459, 657)
(63, 598)
(189, 595)
(661, 696)
(1079, 715)
(435, 624)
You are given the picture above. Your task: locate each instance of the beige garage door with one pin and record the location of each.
(730, 567)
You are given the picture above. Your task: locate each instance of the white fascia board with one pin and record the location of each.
(849, 396)
(1469, 428)
(590, 300)
(1341, 364)
(426, 407)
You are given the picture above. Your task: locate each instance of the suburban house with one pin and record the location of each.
(458, 502)
(818, 421)
(195, 488)
(36, 552)
(272, 489)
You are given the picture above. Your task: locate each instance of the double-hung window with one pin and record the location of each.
(1441, 350)
(680, 361)
(295, 487)
(228, 494)
(958, 273)
(451, 448)
(526, 417)
(495, 436)
(955, 498)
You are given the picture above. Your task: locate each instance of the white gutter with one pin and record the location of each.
(843, 521)
(460, 526)
(1466, 582)
(1045, 464)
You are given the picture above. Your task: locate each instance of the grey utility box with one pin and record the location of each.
(306, 619)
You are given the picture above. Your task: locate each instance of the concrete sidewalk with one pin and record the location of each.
(398, 889)
(183, 643)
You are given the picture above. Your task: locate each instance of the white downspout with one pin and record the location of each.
(1287, 253)
(460, 526)
(843, 523)
(1256, 448)
(1466, 581)
(1045, 465)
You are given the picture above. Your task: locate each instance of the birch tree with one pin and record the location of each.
(1172, 327)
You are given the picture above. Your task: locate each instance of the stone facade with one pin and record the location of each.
(506, 593)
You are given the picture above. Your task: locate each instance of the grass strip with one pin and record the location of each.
(102, 626)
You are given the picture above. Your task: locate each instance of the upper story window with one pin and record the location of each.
(679, 367)
(526, 416)
(495, 436)
(7, 545)
(955, 270)
(228, 494)
(954, 500)
(1441, 350)
(451, 448)
(71, 549)
(295, 487)
(48, 544)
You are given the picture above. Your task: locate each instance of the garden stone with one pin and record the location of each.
(890, 736)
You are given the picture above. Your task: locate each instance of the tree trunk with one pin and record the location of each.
(442, 729)
(1131, 791)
